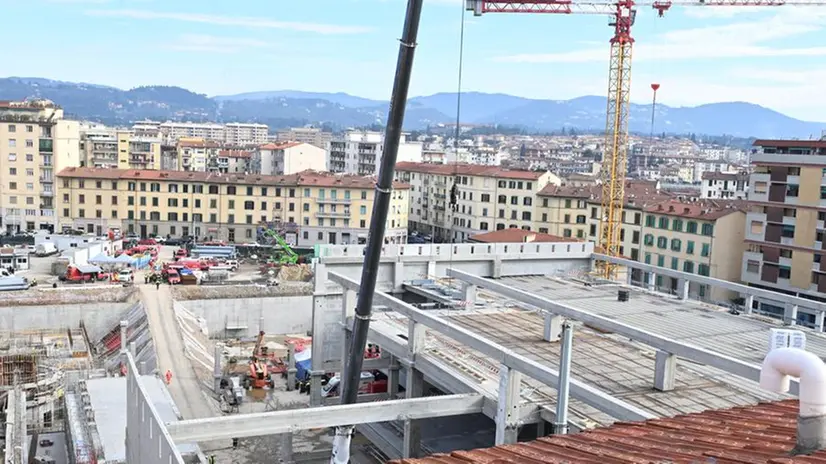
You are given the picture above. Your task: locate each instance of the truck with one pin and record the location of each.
(82, 273)
(45, 249)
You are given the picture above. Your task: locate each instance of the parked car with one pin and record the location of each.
(46, 442)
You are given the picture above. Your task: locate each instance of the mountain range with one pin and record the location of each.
(286, 108)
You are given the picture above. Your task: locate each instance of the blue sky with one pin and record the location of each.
(774, 56)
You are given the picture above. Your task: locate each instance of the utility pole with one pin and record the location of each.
(351, 374)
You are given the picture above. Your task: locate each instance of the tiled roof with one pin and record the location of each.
(198, 143)
(462, 169)
(279, 145)
(790, 143)
(734, 176)
(235, 153)
(519, 236)
(638, 194)
(764, 433)
(302, 179)
(703, 209)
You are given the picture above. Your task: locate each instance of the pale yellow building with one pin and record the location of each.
(487, 198)
(702, 237)
(325, 208)
(35, 143)
(197, 154)
(119, 148)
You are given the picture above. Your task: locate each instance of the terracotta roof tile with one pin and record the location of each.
(760, 434)
(279, 145)
(790, 143)
(301, 179)
(703, 209)
(469, 170)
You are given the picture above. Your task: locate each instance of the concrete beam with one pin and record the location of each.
(711, 281)
(694, 353)
(594, 397)
(272, 423)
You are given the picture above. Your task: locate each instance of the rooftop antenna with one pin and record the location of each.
(654, 87)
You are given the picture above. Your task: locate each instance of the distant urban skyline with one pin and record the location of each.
(775, 57)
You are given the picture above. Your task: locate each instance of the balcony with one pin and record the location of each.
(46, 192)
(327, 214)
(334, 201)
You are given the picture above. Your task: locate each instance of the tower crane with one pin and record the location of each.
(615, 157)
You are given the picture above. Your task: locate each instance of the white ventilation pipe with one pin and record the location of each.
(778, 367)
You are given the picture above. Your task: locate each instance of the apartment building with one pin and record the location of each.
(309, 135)
(236, 134)
(197, 154)
(231, 161)
(725, 185)
(487, 198)
(360, 152)
(35, 142)
(322, 207)
(702, 237)
(119, 148)
(785, 221)
(241, 134)
(276, 159)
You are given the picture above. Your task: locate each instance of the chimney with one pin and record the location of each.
(781, 364)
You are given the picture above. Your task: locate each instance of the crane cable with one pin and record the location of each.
(453, 194)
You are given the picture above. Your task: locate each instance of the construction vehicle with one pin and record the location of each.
(286, 255)
(231, 395)
(259, 371)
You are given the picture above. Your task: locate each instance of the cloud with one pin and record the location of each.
(737, 40)
(240, 21)
(214, 44)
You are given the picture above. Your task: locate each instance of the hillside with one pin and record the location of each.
(284, 108)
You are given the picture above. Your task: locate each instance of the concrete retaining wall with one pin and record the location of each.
(241, 317)
(98, 317)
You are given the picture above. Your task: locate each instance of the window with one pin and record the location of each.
(502, 199)
(648, 258)
(691, 227)
(688, 266)
(81, 199)
(363, 209)
(231, 190)
(662, 242)
(231, 204)
(12, 171)
(580, 219)
(676, 245)
(708, 229)
(753, 266)
(567, 203)
(792, 190)
(649, 239)
(785, 272)
(649, 221)
(249, 205)
(663, 222)
(567, 219)
(486, 198)
(635, 237)
(706, 250)
(689, 247)
(364, 194)
(787, 231)
(527, 201)
(660, 261)
(526, 215)
(231, 219)
(675, 263)
(756, 227)
(213, 190)
(677, 225)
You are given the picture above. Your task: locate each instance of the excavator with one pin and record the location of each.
(287, 255)
(259, 375)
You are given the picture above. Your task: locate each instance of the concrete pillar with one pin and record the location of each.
(393, 378)
(285, 454)
(819, 321)
(133, 348)
(291, 369)
(315, 388)
(682, 289)
(470, 295)
(415, 339)
(553, 327)
(507, 409)
(414, 388)
(496, 271)
(142, 368)
(790, 314)
(629, 277)
(665, 370)
(123, 335)
(217, 372)
(748, 302)
(320, 278)
(431, 270)
(398, 276)
(652, 282)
